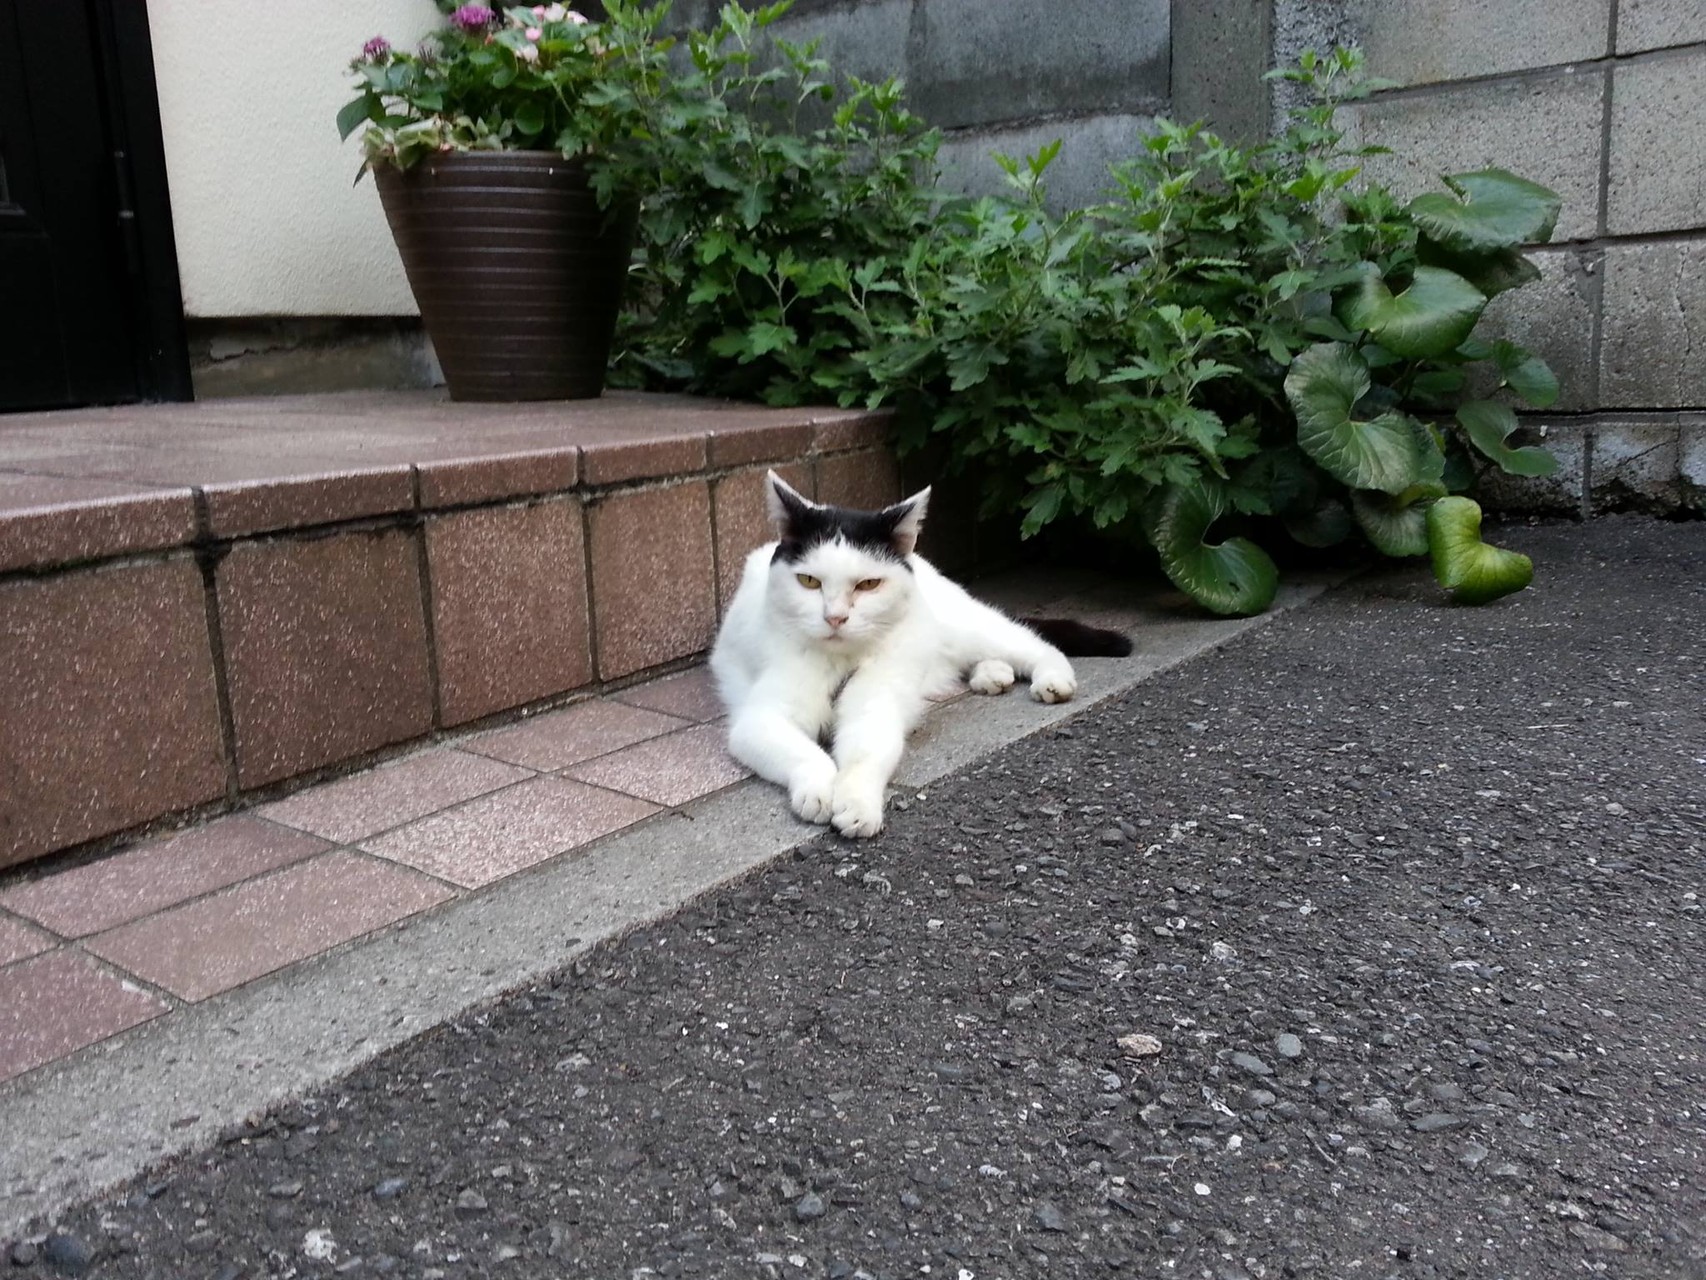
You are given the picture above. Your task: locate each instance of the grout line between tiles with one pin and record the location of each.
(173, 1002)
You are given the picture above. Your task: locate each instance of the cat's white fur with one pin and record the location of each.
(856, 666)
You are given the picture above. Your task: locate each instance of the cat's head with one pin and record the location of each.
(839, 576)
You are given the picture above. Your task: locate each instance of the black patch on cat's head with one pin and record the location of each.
(801, 524)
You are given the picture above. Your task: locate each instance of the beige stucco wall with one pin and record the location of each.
(267, 222)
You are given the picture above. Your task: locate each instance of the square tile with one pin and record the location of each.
(558, 739)
(642, 447)
(139, 881)
(325, 649)
(57, 1003)
(866, 481)
(349, 808)
(509, 607)
(671, 771)
(744, 438)
(849, 428)
(692, 695)
(486, 476)
(653, 593)
(498, 835)
(19, 941)
(743, 521)
(108, 714)
(241, 933)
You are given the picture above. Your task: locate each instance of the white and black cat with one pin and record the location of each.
(838, 633)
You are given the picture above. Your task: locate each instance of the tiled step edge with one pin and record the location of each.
(188, 681)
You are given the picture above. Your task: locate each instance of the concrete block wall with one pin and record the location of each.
(1002, 75)
(1602, 100)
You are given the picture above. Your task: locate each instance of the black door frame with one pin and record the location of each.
(125, 55)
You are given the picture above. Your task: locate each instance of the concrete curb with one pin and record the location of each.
(176, 1084)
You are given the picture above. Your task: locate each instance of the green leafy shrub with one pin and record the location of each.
(1242, 340)
(776, 199)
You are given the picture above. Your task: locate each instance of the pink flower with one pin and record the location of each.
(376, 48)
(473, 18)
(579, 19)
(533, 33)
(538, 11)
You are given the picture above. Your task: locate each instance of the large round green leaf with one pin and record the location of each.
(1492, 272)
(1526, 374)
(1387, 452)
(1435, 312)
(1397, 524)
(1472, 571)
(1488, 425)
(1233, 578)
(1326, 525)
(1490, 209)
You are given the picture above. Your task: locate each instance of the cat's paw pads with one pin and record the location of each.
(858, 814)
(991, 676)
(813, 797)
(1053, 686)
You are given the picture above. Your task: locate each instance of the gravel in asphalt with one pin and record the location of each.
(1369, 945)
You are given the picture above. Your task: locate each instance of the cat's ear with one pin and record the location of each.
(784, 504)
(908, 516)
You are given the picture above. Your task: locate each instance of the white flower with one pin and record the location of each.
(555, 13)
(528, 53)
(579, 19)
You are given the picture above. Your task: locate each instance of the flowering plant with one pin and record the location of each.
(543, 78)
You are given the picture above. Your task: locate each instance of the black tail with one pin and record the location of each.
(1079, 640)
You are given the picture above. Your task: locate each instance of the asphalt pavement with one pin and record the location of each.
(1368, 944)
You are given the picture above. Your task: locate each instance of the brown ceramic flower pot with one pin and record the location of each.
(517, 271)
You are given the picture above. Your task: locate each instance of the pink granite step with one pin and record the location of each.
(202, 603)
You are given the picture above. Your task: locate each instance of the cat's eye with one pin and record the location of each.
(807, 581)
(868, 584)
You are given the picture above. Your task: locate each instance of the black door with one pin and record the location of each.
(89, 303)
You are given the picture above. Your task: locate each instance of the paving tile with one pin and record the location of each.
(252, 481)
(51, 519)
(558, 739)
(239, 934)
(323, 493)
(671, 770)
(107, 706)
(161, 873)
(849, 428)
(57, 1003)
(743, 439)
(865, 481)
(653, 588)
(692, 695)
(325, 650)
(743, 522)
(377, 799)
(485, 477)
(19, 940)
(615, 450)
(509, 607)
(498, 835)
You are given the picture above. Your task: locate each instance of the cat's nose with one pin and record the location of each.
(835, 619)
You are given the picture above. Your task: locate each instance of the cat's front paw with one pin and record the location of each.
(811, 794)
(1053, 684)
(858, 811)
(991, 676)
